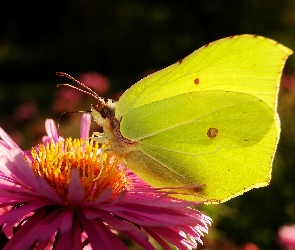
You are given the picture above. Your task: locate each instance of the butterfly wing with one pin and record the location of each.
(244, 63)
(208, 119)
(224, 140)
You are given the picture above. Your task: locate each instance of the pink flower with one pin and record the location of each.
(25, 111)
(96, 81)
(71, 194)
(286, 236)
(288, 81)
(68, 99)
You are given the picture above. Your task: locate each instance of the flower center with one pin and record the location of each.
(98, 170)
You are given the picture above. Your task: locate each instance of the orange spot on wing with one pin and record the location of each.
(212, 133)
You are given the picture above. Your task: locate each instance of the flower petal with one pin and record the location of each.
(70, 239)
(20, 169)
(51, 129)
(53, 221)
(129, 229)
(85, 126)
(76, 190)
(67, 221)
(100, 236)
(45, 190)
(18, 213)
(6, 138)
(28, 233)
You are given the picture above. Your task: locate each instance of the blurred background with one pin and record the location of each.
(109, 45)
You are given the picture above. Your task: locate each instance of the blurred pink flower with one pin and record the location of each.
(25, 111)
(71, 194)
(66, 98)
(286, 237)
(99, 83)
(249, 246)
(288, 81)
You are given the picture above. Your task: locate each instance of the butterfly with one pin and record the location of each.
(209, 119)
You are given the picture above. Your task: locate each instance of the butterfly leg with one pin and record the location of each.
(102, 158)
(99, 137)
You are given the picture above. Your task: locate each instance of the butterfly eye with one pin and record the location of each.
(105, 112)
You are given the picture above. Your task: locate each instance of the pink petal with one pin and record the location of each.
(70, 239)
(100, 236)
(8, 139)
(287, 236)
(172, 236)
(18, 213)
(27, 235)
(45, 190)
(76, 190)
(51, 129)
(67, 221)
(56, 218)
(85, 126)
(24, 174)
(20, 168)
(15, 195)
(160, 240)
(104, 197)
(129, 229)
(76, 238)
(6, 173)
(63, 241)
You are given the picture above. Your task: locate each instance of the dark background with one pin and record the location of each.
(125, 40)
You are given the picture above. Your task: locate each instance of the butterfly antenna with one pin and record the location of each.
(89, 92)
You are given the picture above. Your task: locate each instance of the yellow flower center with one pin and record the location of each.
(98, 170)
